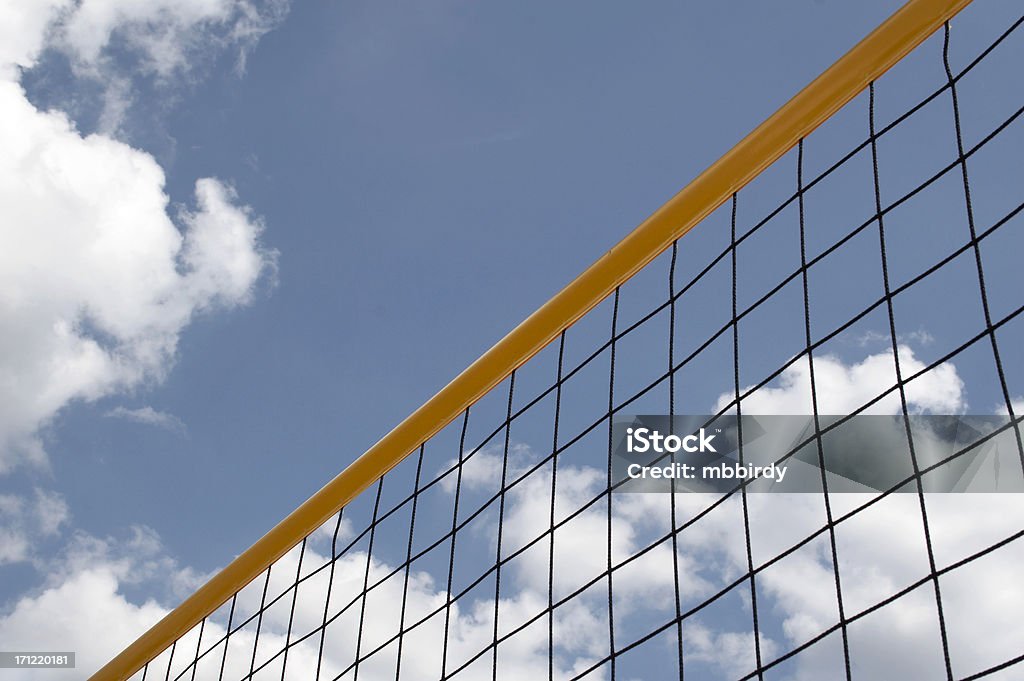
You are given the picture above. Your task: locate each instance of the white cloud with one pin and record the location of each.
(921, 337)
(92, 589)
(165, 34)
(842, 388)
(59, 615)
(26, 521)
(137, 559)
(98, 278)
(100, 572)
(84, 586)
(732, 653)
(578, 557)
(324, 536)
(51, 511)
(880, 552)
(481, 468)
(164, 41)
(23, 32)
(1018, 407)
(149, 416)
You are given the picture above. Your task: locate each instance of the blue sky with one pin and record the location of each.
(428, 182)
(416, 180)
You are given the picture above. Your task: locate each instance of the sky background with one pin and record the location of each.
(405, 183)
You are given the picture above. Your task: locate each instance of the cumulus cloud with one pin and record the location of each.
(881, 550)
(139, 559)
(479, 466)
(731, 653)
(88, 582)
(98, 280)
(843, 388)
(98, 274)
(59, 614)
(92, 589)
(96, 575)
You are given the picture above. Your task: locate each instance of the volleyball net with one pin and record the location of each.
(856, 254)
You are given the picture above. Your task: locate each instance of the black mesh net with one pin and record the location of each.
(874, 268)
